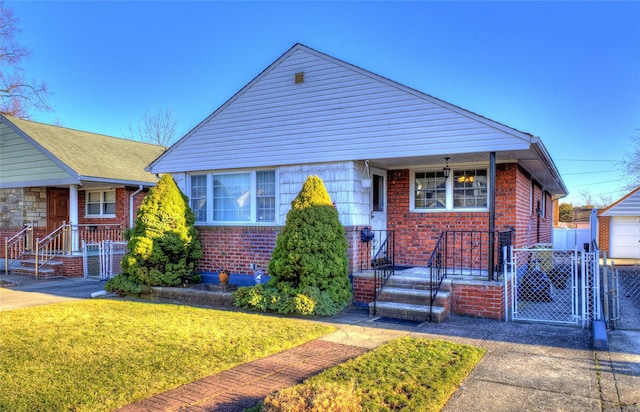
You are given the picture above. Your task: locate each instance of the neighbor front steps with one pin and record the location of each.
(407, 297)
(51, 269)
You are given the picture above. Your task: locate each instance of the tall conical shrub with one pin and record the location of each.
(308, 267)
(163, 246)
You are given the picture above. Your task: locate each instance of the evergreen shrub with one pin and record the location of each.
(308, 266)
(163, 246)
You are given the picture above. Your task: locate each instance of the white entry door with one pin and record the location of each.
(378, 200)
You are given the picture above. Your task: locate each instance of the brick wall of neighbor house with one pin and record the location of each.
(604, 227)
(122, 208)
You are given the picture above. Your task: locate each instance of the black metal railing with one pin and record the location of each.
(467, 253)
(470, 253)
(379, 256)
(437, 270)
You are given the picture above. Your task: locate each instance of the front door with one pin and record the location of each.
(378, 200)
(57, 208)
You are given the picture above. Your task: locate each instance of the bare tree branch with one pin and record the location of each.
(17, 96)
(631, 164)
(158, 128)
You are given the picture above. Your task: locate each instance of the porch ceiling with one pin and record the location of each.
(537, 164)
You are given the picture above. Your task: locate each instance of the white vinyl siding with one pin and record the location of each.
(339, 113)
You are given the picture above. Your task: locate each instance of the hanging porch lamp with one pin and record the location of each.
(446, 171)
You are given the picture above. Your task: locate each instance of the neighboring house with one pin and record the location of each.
(59, 180)
(434, 168)
(619, 227)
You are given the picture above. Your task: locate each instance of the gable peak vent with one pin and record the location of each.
(299, 78)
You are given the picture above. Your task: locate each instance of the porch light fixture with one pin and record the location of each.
(446, 170)
(366, 175)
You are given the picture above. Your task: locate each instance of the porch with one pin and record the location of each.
(58, 253)
(462, 274)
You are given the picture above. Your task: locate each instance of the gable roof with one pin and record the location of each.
(88, 157)
(628, 205)
(342, 112)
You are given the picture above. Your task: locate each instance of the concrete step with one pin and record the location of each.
(32, 262)
(412, 296)
(31, 270)
(28, 267)
(406, 311)
(409, 281)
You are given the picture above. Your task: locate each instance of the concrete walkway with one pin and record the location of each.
(532, 367)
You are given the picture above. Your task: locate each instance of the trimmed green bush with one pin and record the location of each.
(163, 245)
(308, 267)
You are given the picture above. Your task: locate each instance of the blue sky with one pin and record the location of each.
(568, 72)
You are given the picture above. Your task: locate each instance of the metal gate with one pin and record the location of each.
(621, 296)
(102, 259)
(554, 286)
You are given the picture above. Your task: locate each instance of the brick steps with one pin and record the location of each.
(408, 296)
(51, 269)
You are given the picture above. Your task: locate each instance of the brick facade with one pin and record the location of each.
(417, 233)
(604, 230)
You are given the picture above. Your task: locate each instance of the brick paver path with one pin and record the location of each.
(244, 386)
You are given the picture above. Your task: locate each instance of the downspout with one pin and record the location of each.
(131, 196)
(492, 212)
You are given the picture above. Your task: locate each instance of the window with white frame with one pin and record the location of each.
(463, 189)
(237, 197)
(101, 203)
(470, 188)
(199, 197)
(430, 190)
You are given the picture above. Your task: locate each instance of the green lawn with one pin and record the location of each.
(98, 355)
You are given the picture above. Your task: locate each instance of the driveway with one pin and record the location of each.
(21, 291)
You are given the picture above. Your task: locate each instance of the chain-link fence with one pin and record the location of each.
(556, 286)
(622, 292)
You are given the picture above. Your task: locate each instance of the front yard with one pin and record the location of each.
(99, 355)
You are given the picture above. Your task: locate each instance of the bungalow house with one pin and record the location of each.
(61, 187)
(399, 162)
(619, 227)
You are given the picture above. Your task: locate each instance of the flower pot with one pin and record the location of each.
(223, 277)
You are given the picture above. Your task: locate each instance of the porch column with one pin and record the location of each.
(73, 217)
(492, 212)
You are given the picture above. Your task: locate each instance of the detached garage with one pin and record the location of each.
(620, 227)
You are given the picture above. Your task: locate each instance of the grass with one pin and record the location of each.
(406, 374)
(98, 355)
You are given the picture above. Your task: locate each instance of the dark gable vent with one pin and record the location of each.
(299, 78)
